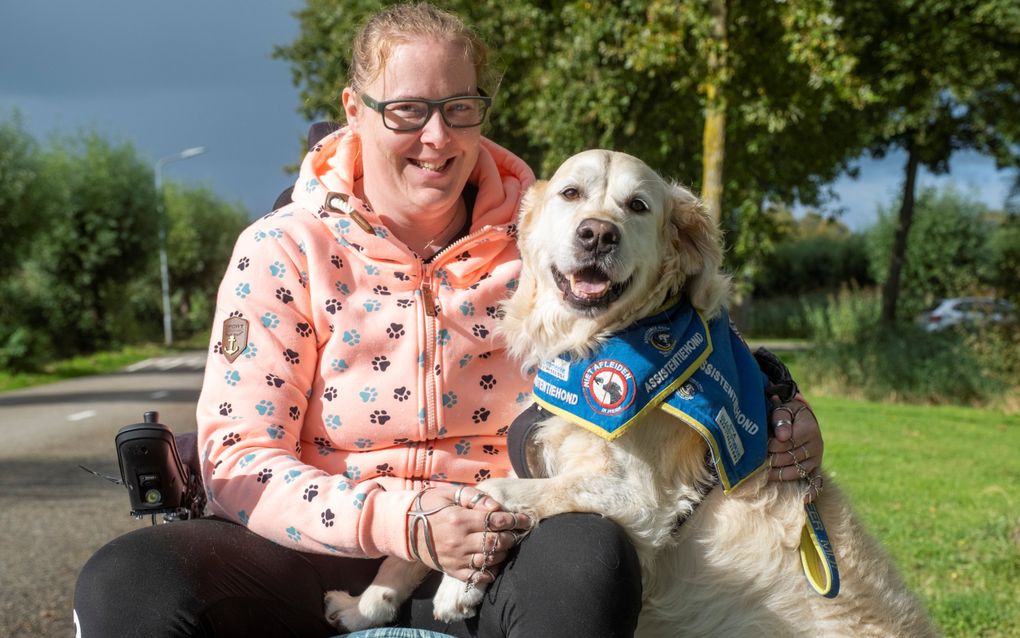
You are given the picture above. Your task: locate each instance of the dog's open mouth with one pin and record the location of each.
(589, 288)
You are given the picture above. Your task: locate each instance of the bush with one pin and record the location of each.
(854, 353)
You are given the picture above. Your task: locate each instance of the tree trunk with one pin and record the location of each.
(714, 136)
(891, 291)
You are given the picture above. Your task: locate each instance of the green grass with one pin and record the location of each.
(98, 363)
(940, 488)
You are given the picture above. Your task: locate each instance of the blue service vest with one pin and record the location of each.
(698, 371)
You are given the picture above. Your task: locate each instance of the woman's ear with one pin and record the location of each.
(351, 106)
(697, 242)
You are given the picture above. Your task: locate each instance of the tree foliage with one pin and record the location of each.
(79, 224)
(946, 250)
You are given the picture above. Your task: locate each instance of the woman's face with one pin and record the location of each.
(417, 173)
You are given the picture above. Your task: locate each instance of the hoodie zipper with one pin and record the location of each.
(432, 311)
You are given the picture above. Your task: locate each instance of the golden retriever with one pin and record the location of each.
(606, 242)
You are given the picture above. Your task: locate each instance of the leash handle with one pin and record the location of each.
(816, 555)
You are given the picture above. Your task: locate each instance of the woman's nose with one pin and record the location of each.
(435, 131)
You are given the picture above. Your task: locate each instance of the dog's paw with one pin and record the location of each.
(374, 608)
(454, 601)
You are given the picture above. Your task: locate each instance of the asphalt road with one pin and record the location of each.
(53, 515)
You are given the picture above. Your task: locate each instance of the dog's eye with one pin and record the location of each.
(638, 205)
(570, 193)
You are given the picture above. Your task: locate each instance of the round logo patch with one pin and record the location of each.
(661, 338)
(609, 387)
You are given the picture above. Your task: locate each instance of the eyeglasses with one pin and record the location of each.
(460, 111)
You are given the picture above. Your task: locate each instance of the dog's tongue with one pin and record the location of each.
(588, 284)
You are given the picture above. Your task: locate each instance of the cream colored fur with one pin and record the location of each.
(733, 568)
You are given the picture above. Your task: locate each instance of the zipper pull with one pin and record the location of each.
(429, 301)
(361, 221)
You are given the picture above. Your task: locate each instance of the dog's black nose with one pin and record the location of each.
(595, 235)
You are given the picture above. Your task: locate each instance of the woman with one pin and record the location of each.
(355, 380)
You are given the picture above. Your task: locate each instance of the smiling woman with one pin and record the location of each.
(370, 391)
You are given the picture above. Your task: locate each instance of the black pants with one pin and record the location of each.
(575, 575)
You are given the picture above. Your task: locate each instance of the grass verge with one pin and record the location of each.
(940, 487)
(98, 363)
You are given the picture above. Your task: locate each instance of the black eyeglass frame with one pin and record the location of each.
(432, 105)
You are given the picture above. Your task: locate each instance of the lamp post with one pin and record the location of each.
(164, 271)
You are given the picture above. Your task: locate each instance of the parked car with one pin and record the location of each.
(967, 311)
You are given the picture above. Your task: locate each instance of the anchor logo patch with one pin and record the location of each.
(235, 337)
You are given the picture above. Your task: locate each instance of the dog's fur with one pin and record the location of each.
(606, 242)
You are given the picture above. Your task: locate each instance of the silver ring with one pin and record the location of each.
(515, 523)
(488, 521)
(781, 422)
(474, 500)
(471, 563)
(517, 537)
(807, 454)
(457, 494)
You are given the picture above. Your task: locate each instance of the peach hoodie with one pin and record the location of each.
(367, 372)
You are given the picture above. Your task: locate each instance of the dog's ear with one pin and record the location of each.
(531, 199)
(696, 241)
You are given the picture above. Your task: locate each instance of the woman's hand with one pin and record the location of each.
(795, 452)
(468, 531)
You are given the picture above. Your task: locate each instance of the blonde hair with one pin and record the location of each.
(403, 23)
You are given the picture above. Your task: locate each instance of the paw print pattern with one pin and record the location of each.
(487, 381)
(294, 412)
(332, 421)
(265, 408)
(443, 337)
(310, 493)
(368, 395)
(380, 363)
(242, 290)
(336, 261)
(361, 444)
(323, 443)
(379, 417)
(333, 305)
(352, 337)
(278, 270)
(231, 438)
(467, 309)
(284, 295)
(274, 381)
(481, 415)
(329, 393)
(381, 290)
(243, 263)
(232, 377)
(404, 303)
(291, 357)
(503, 430)
(464, 256)
(327, 518)
(482, 475)
(401, 394)
(372, 305)
(494, 312)
(275, 431)
(395, 331)
(449, 399)
(270, 320)
(226, 409)
(462, 447)
(264, 475)
(384, 469)
(402, 276)
(303, 329)
(236, 314)
(485, 355)
(490, 449)
(479, 331)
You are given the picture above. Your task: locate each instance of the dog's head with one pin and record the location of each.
(605, 242)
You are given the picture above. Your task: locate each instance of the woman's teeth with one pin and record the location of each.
(431, 166)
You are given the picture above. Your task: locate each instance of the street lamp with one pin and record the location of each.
(164, 272)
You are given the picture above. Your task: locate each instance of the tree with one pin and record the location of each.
(103, 233)
(200, 239)
(23, 201)
(945, 251)
(945, 76)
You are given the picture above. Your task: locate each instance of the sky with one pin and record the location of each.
(166, 76)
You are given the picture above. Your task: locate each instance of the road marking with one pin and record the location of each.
(79, 416)
(188, 362)
(159, 394)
